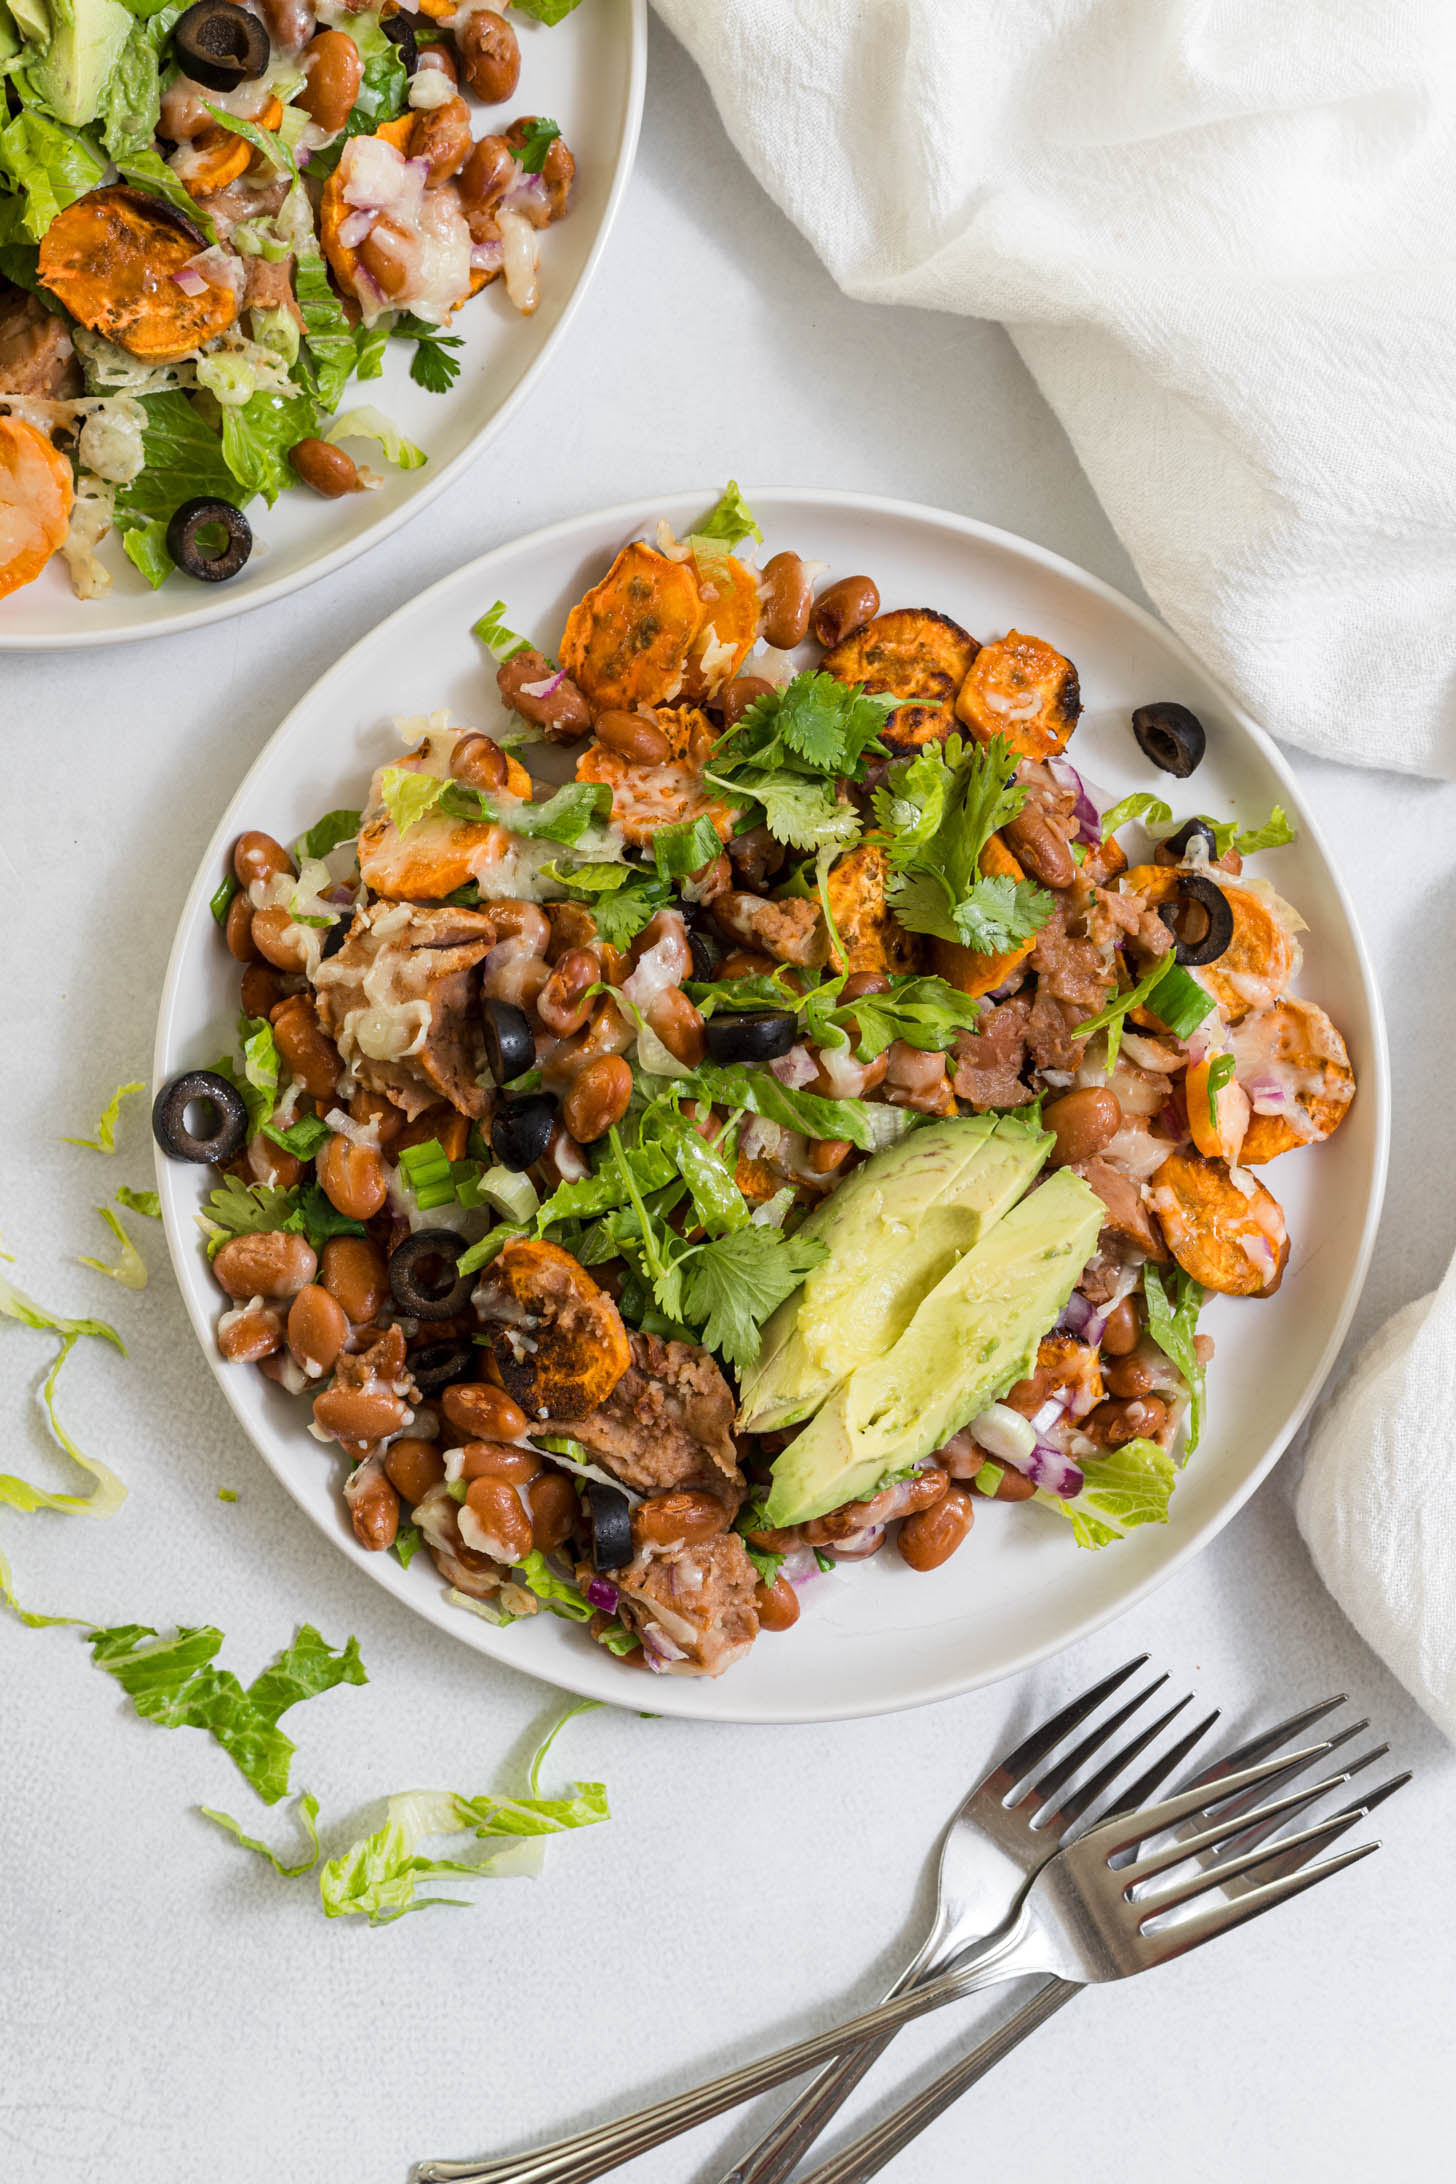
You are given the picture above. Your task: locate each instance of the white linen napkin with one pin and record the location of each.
(1375, 1505)
(1220, 234)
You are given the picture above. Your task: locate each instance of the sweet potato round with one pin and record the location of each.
(627, 641)
(36, 498)
(112, 256)
(558, 1341)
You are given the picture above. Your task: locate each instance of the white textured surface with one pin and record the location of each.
(168, 2010)
(1220, 234)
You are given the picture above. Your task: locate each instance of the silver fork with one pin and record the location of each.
(973, 1887)
(873, 2151)
(1019, 1943)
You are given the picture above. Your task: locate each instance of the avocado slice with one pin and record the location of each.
(86, 38)
(973, 1337)
(893, 1228)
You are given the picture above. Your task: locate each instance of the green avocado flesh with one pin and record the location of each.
(86, 38)
(894, 1229)
(972, 1337)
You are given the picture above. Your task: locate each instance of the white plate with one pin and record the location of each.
(875, 1637)
(588, 74)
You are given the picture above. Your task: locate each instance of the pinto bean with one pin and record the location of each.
(735, 697)
(354, 1275)
(788, 599)
(484, 180)
(777, 1604)
(496, 1508)
(679, 1025)
(681, 1519)
(279, 940)
(918, 1080)
(479, 762)
(494, 1460)
(246, 1338)
(261, 991)
(1115, 1423)
(565, 1001)
(931, 1536)
(598, 1099)
(441, 136)
(306, 1047)
(634, 736)
(388, 256)
(374, 1513)
(1035, 843)
(483, 1412)
(1121, 1332)
(258, 857)
(843, 608)
(318, 1328)
(238, 931)
(561, 714)
(334, 72)
(272, 1263)
(353, 1178)
(358, 1416)
(755, 857)
(367, 1107)
(527, 922)
(664, 925)
(490, 55)
(413, 1467)
(554, 1510)
(1082, 1122)
(272, 1164)
(329, 471)
(439, 56)
(558, 172)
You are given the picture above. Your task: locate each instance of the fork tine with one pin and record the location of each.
(1224, 1870)
(1136, 1796)
(1268, 1741)
(1056, 1778)
(1260, 1829)
(1191, 1933)
(1246, 1800)
(1033, 1749)
(1282, 1860)
(1220, 1833)
(1120, 1833)
(1081, 1800)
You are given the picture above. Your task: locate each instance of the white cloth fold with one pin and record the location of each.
(1375, 1503)
(1220, 233)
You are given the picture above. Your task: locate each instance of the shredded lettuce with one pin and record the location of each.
(369, 423)
(685, 848)
(108, 1493)
(132, 1271)
(47, 166)
(146, 1202)
(407, 796)
(729, 520)
(1150, 809)
(105, 1138)
(171, 1681)
(308, 1820)
(495, 636)
(562, 1599)
(1127, 1487)
(550, 12)
(327, 833)
(1275, 833)
(257, 435)
(1173, 1311)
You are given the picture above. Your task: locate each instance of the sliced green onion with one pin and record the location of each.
(989, 1478)
(510, 1192)
(221, 902)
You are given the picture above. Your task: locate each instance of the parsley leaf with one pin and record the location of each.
(431, 367)
(537, 138)
(735, 1282)
(939, 809)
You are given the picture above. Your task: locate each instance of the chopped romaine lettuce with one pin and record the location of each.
(146, 1202)
(308, 1820)
(494, 635)
(47, 166)
(105, 1138)
(1173, 1308)
(369, 423)
(132, 1271)
(1125, 1488)
(728, 521)
(327, 833)
(1150, 809)
(108, 1493)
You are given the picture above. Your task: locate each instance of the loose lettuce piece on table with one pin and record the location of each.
(105, 1138)
(108, 1493)
(131, 1272)
(171, 1681)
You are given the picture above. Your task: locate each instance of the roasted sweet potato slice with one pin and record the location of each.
(873, 937)
(334, 210)
(966, 968)
(1021, 689)
(557, 1339)
(1261, 958)
(913, 653)
(645, 798)
(111, 257)
(36, 498)
(1219, 1123)
(219, 157)
(437, 854)
(1227, 1239)
(627, 643)
(732, 615)
(1292, 1053)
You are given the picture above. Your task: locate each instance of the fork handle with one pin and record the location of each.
(576, 2160)
(867, 2155)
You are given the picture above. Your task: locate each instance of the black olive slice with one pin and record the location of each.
(422, 1276)
(1200, 918)
(520, 1130)
(192, 557)
(706, 953)
(229, 1132)
(400, 31)
(510, 1043)
(1170, 736)
(436, 1365)
(335, 937)
(611, 1525)
(755, 1035)
(1177, 846)
(221, 46)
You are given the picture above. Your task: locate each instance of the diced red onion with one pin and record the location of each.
(658, 1647)
(355, 226)
(858, 1545)
(1081, 1318)
(603, 1594)
(1084, 811)
(1004, 992)
(1266, 1094)
(189, 280)
(1049, 1415)
(486, 257)
(1047, 1467)
(545, 688)
(796, 1069)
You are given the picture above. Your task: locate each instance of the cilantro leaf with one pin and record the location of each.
(939, 809)
(622, 897)
(923, 1012)
(998, 914)
(318, 1218)
(826, 725)
(798, 809)
(236, 1208)
(431, 367)
(537, 138)
(736, 1281)
(736, 1084)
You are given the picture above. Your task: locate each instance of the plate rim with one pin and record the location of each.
(673, 1697)
(229, 608)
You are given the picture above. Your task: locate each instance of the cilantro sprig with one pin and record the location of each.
(792, 749)
(938, 811)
